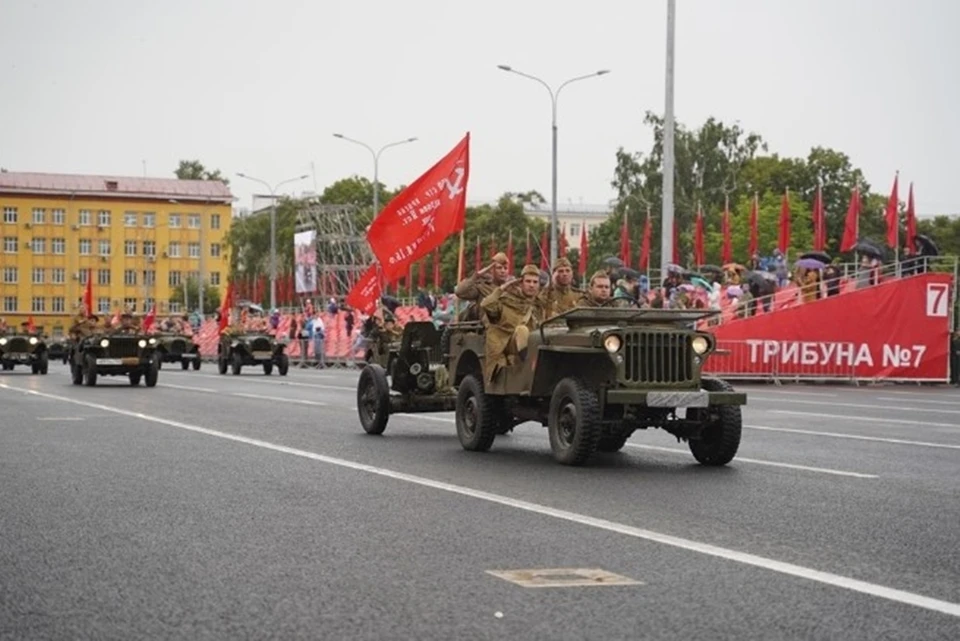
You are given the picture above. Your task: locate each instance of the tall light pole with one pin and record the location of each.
(376, 165)
(273, 228)
(554, 96)
(666, 217)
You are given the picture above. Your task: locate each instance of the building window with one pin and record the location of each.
(104, 246)
(39, 216)
(193, 221)
(10, 275)
(129, 277)
(194, 276)
(149, 219)
(173, 250)
(174, 221)
(129, 248)
(149, 277)
(58, 304)
(174, 307)
(38, 304)
(130, 219)
(85, 217)
(58, 276)
(10, 244)
(103, 305)
(173, 278)
(215, 250)
(149, 248)
(103, 277)
(148, 304)
(214, 221)
(193, 250)
(86, 246)
(84, 276)
(103, 218)
(574, 230)
(58, 245)
(38, 274)
(9, 303)
(214, 278)
(9, 215)
(130, 303)
(58, 216)
(39, 245)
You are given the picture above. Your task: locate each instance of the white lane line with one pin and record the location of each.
(865, 419)
(426, 417)
(754, 560)
(672, 450)
(189, 388)
(60, 418)
(264, 379)
(751, 391)
(901, 408)
(856, 437)
(743, 459)
(279, 398)
(918, 400)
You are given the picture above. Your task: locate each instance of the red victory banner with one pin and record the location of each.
(365, 292)
(423, 215)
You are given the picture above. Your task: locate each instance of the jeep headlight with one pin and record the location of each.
(700, 344)
(33, 340)
(142, 343)
(612, 343)
(153, 341)
(105, 343)
(3, 341)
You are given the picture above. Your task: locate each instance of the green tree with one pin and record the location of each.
(249, 240)
(211, 296)
(194, 170)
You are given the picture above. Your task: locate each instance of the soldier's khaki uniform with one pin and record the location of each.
(587, 300)
(474, 289)
(512, 316)
(555, 299)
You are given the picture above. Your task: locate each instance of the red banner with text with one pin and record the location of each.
(898, 329)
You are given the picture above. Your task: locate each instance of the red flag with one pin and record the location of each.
(584, 250)
(911, 222)
(783, 239)
(436, 269)
(88, 294)
(528, 259)
(563, 242)
(477, 257)
(893, 214)
(31, 327)
(851, 228)
(699, 253)
(727, 248)
(225, 308)
(149, 319)
(510, 252)
(754, 246)
(625, 241)
(676, 243)
(645, 244)
(819, 222)
(544, 261)
(422, 216)
(366, 291)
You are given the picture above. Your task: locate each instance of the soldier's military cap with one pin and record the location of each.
(562, 262)
(530, 270)
(388, 317)
(599, 274)
(501, 258)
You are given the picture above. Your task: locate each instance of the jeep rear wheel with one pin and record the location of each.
(44, 365)
(574, 422)
(237, 364)
(196, 362)
(720, 437)
(222, 363)
(476, 415)
(373, 399)
(152, 374)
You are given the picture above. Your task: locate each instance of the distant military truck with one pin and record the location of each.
(114, 353)
(237, 350)
(178, 348)
(25, 349)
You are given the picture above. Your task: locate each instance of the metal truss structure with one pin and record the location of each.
(343, 253)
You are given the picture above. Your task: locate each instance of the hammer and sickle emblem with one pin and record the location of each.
(453, 189)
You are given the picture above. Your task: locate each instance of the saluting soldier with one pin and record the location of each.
(598, 294)
(83, 326)
(513, 311)
(477, 287)
(560, 295)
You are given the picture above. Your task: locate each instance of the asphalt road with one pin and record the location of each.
(255, 507)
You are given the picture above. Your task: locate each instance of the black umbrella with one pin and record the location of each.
(711, 269)
(925, 245)
(761, 277)
(630, 273)
(823, 257)
(390, 302)
(612, 261)
(868, 248)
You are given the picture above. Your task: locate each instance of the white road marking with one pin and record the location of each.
(789, 569)
(60, 418)
(856, 437)
(865, 419)
(265, 379)
(279, 398)
(427, 417)
(919, 400)
(742, 459)
(901, 408)
(189, 388)
(778, 392)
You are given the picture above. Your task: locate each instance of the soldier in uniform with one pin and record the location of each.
(390, 332)
(560, 295)
(513, 311)
(477, 287)
(83, 326)
(128, 324)
(598, 295)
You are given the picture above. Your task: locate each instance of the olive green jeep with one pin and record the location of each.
(24, 349)
(115, 353)
(178, 348)
(251, 348)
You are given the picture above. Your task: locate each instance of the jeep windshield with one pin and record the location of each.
(580, 316)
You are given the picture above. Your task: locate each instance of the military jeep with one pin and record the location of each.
(178, 348)
(24, 349)
(130, 354)
(593, 376)
(409, 376)
(251, 348)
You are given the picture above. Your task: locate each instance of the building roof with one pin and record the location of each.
(120, 187)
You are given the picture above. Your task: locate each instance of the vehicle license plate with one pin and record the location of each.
(262, 356)
(109, 361)
(678, 399)
(186, 356)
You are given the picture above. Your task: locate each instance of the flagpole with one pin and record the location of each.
(460, 258)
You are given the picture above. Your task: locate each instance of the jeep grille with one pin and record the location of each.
(658, 358)
(260, 345)
(178, 346)
(123, 347)
(17, 344)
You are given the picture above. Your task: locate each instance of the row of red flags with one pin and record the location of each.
(148, 320)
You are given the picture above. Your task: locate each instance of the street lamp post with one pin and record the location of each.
(273, 228)
(376, 165)
(554, 96)
(666, 217)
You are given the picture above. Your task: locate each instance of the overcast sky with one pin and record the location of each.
(100, 86)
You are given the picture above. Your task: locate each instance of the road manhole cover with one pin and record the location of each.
(562, 577)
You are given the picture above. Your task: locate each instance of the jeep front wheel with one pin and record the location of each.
(373, 399)
(720, 436)
(476, 416)
(574, 422)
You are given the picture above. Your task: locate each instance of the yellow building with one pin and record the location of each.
(137, 239)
